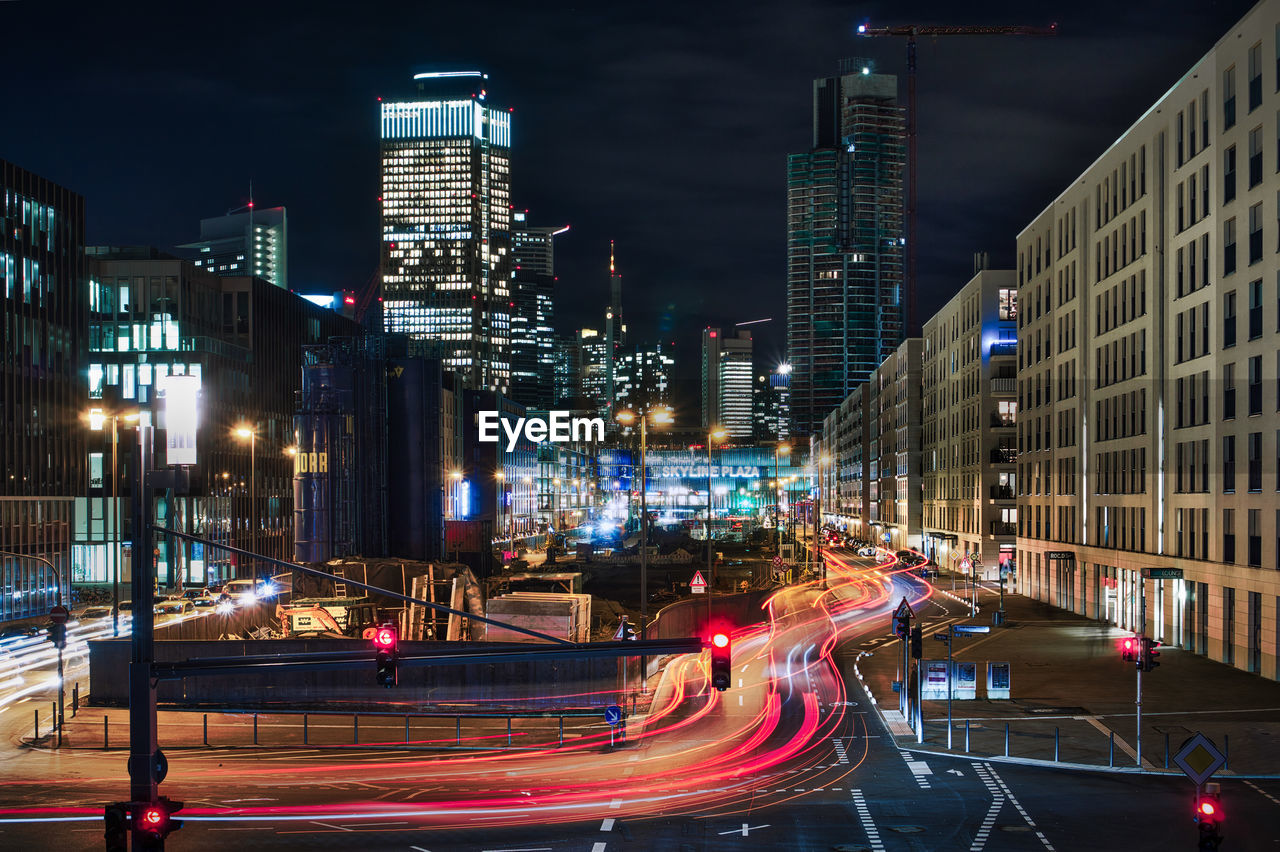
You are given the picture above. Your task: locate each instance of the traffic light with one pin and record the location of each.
(1146, 660)
(720, 653)
(117, 832)
(385, 641)
(917, 643)
(154, 821)
(58, 635)
(1130, 648)
(1209, 817)
(629, 631)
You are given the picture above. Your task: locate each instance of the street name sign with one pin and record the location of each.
(1199, 758)
(972, 628)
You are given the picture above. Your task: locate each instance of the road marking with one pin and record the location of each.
(419, 849)
(334, 827)
(1263, 792)
(739, 700)
(615, 804)
(868, 825)
(746, 830)
(1026, 816)
(739, 683)
(997, 802)
(919, 769)
(607, 825)
(841, 757)
(598, 847)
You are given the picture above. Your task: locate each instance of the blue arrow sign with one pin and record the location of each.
(613, 714)
(971, 628)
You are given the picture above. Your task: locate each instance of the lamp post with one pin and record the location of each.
(96, 421)
(660, 415)
(817, 517)
(555, 505)
(527, 480)
(716, 434)
(251, 433)
(781, 450)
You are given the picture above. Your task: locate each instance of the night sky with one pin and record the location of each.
(664, 126)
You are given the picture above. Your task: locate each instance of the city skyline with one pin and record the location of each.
(574, 169)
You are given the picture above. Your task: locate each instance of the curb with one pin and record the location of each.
(1078, 767)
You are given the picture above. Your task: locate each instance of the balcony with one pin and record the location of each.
(999, 422)
(1004, 347)
(1002, 492)
(1004, 384)
(1003, 528)
(1004, 455)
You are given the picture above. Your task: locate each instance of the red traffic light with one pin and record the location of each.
(385, 637)
(152, 817)
(1208, 809)
(720, 640)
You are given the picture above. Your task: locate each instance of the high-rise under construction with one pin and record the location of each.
(845, 241)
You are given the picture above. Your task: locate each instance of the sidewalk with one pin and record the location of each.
(1071, 691)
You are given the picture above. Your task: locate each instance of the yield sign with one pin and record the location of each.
(903, 610)
(1199, 758)
(697, 583)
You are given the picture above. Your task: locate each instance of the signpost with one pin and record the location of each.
(698, 585)
(901, 626)
(613, 717)
(59, 615)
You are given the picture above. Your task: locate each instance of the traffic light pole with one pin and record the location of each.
(143, 742)
(1142, 639)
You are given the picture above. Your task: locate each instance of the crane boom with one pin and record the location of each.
(911, 32)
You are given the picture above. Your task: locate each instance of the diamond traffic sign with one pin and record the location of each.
(1199, 758)
(698, 584)
(903, 610)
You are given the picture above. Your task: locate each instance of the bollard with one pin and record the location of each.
(508, 732)
(1226, 752)
(57, 723)
(75, 699)
(206, 729)
(1057, 744)
(255, 728)
(1166, 751)
(457, 731)
(1006, 739)
(406, 729)
(104, 731)
(966, 736)
(304, 729)
(561, 731)
(1111, 751)
(37, 733)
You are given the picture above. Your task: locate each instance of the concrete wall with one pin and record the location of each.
(572, 683)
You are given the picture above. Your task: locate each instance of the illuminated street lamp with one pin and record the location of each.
(716, 434)
(781, 450)
(250, 434)
(97, 419)
(661, 415)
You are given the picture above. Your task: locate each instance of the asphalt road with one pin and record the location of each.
(791, 757)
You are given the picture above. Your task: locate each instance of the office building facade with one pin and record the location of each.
(970, 411)
(1147, 349)
(44, 310)
(446, 223)
(845, 243)
(253, 242)
(532, 331)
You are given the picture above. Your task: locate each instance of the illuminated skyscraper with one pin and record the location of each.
(844, 241)
(642, 378)
(532, 334)
(726, 382)
(446, 223)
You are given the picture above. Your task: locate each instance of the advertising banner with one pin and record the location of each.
(933, 684)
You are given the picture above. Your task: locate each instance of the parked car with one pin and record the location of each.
(126, 606)
(192, 594)
(95, 612)
(204, 602)
(867, 551)
(178, 607)
(243, 592)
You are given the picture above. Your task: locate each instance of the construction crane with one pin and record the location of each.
(910, 32)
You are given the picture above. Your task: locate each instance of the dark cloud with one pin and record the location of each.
(663, 125)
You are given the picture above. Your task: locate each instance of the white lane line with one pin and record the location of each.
(1026, 816)
(419, 849)
(997, 802)
(615, 804)
(327, 825)
(598, 847)
(868, 825)
(1263, 792)
(607, 825)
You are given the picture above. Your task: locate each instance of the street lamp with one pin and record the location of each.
(251, 435)
(823, 461)
(716, 434)
(661, 415)
(97, 418)
(781, 450)
(527, 480)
